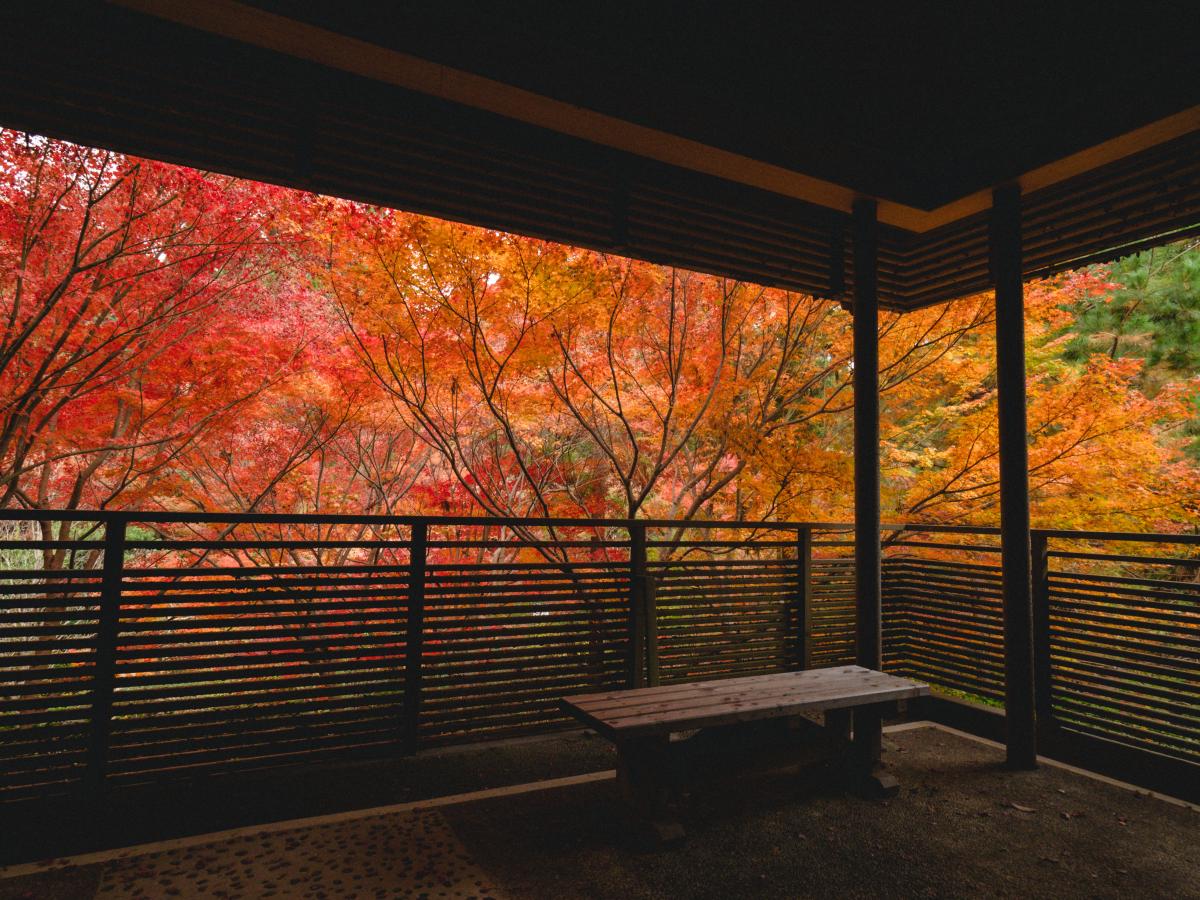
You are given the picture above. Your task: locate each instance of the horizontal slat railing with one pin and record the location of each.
(141, 646)
(51, 581)
(943, 615)
(1123, 641)
(514, 618)
(733, 601)
(1117, 639)
(247, 643)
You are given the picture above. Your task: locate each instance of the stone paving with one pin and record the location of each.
(407, 854)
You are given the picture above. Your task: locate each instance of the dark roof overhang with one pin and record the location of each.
(734, 146)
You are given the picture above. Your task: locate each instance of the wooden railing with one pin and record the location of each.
(1116, 649)
(135, 647)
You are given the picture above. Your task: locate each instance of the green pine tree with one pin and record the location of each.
(1152, 314)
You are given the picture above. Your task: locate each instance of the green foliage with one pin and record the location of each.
(1152, 312)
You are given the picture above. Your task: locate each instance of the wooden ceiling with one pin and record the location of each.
(724, 138)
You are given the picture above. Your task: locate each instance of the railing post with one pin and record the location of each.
(1043, 685)
(650, 592)
(636, 670)
(418, 551)
(107, 631)
(804, 598)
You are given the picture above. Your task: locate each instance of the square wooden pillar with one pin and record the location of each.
(1005, 246)
(867, 552)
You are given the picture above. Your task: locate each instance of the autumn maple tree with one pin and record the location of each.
(181, 340)
(138, 318)
(560, 382)
(1104, 452)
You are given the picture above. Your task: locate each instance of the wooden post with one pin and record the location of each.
(108, 628)
(1005, 245)
(867, 552)
(415, 636)
(644, 776)
(1043, 684)
(636, 668)
(804, 599)
(650, 604)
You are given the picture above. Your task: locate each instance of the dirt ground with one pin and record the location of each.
(962, 826)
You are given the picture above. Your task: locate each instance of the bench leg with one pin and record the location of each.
(866, 756)
(837, 722)
(644, 778)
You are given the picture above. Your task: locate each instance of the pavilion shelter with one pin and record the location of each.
(892, 155)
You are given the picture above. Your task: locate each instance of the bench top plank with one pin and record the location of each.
(679, 707)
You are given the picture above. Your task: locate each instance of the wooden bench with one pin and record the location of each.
(641, 721)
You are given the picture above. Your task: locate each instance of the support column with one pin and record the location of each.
(867, 554)
(1005, 238)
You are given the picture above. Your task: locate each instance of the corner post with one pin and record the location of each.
(415, 636)
(1005, 246)
(867, 551)
(108, 628)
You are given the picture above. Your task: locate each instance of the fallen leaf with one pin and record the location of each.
(1020, 808)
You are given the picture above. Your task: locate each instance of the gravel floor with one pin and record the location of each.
(410, 854)
(961, 827)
